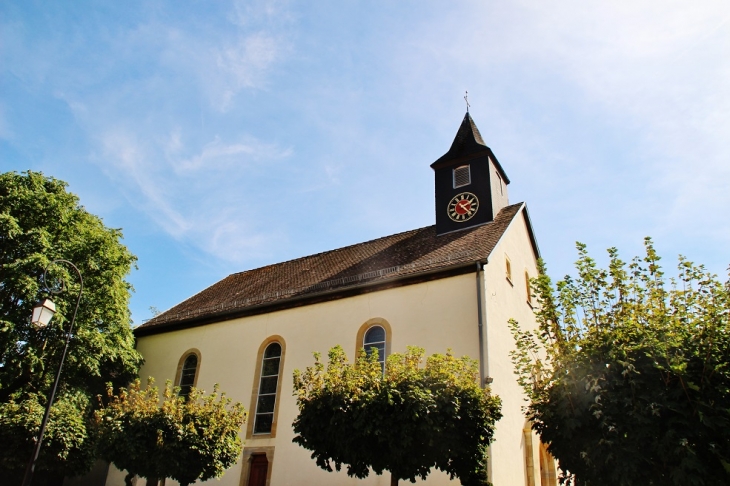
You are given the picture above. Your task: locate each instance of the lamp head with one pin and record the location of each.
(42, 313)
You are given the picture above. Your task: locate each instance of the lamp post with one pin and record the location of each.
(42, 314)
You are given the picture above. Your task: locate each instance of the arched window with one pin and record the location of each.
(187, 371)
(268, 386)
(375, 334)
(374, 341)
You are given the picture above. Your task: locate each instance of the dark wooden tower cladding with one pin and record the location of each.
(469, 167)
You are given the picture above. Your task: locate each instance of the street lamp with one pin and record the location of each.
(42, 314)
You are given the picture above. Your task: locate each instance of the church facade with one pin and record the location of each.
(453, 285)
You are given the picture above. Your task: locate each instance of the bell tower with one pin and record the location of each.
(471, 186)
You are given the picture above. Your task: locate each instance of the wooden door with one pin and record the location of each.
(259, 470)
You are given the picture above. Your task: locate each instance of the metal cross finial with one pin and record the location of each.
(466, 98)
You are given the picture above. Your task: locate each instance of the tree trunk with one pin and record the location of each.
(393, 479)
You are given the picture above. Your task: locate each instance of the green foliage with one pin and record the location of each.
(405, 421)
(183, 439)
(41, 222)
(68, 444)
(628, 377)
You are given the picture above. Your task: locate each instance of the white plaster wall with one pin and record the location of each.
(505, 300)
(435, 315)
(500, 198)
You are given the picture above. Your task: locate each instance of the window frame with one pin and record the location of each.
(508, 269)
(247, 458)
(256, 384)
(528, 288)
(540, 466)
(529, 455)
(181, 363)
(453, 176)
(548, 470)
(365, 327)
(374, 344)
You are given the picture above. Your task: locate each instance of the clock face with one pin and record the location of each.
(463, 207)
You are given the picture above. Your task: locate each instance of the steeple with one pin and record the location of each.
(468, 141)
(470, 182)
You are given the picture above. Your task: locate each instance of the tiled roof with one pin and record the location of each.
(400, 255)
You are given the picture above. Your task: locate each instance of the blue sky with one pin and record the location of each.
(226, 135)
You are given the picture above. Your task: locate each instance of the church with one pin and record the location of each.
(452, 285)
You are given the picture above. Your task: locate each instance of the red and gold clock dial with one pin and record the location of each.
(463, 207)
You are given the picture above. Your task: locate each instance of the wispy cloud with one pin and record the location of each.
(217, 155)
(175, 160)
(163, 98)
(126, 160)
(243, 65)
(252, 131)
(656, 70)
(251, 12)
(654, 66)
(189, 199)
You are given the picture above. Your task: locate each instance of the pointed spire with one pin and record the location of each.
(467, 136)
(468, 141)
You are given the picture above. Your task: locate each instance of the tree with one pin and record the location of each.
(68, 444)
(406, 420)
(40, 222)
(183, 439)
(628, 377)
